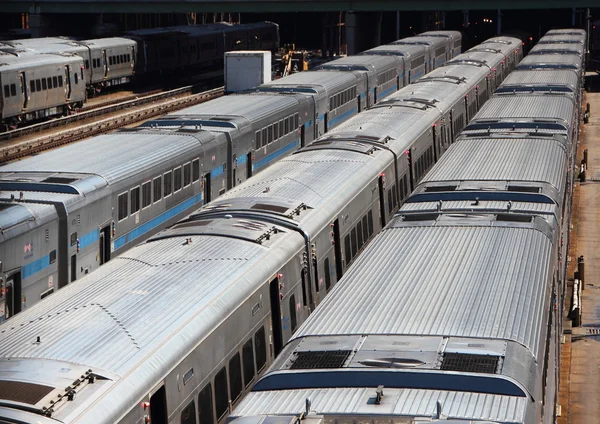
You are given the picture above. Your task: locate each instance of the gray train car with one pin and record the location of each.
(383, 74)
(562, 38)
(71, 216)
(35, 87)
(558, 48)
(474, 340)
(337, 95)
(546, 81)
(264, 255)
(453, 38)
(107, 61)
(261, 128)
(414, 59)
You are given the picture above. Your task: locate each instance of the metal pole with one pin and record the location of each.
(499, 22)
(444, 20)
(466, 18)
(397, 25)
(573, 14)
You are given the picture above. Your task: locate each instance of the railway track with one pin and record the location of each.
(11, 147)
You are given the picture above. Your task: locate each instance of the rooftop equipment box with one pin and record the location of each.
(245, 70)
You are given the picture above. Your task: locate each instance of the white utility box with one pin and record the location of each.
(245, 70)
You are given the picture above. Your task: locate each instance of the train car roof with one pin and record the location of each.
(546, 77)
(109, 42)
(363, 62)
(312, 82)
(557, 48)
(121, 320)
(407, 50)
(469, 165)
(12, 63)
(117, 156)
(490, 289)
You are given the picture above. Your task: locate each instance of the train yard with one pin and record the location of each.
(380, 238)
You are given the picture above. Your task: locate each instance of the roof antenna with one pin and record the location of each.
(378, 394)
(307, 406)
(509, 206)
(476, 202)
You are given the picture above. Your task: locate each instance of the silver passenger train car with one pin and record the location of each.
(208, 149)
(453, 312)
(177, 329)
(35, 87)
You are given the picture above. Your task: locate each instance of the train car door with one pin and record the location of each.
(248, 165)
(68, 82)
(133, 58)
(207, 188)
(302, 135)
(104, 64)
(276, 316)
(104, 247)
(158, 406)
(381, 201)
(24, 93)
(12, 294)
(338, 250)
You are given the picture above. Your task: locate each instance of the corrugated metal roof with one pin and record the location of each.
(326, 79)
(403, 50)
(115, 156)
(398, 402)
(377, 61)
(542, 76)
(554, 59)
(457, 280)
(121, 302)
(575, 48)
(252, 106)
(309, 177)
(562, 38)
(527, 106)
(507, 159)
(483, 205)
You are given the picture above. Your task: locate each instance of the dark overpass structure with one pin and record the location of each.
(262, 6)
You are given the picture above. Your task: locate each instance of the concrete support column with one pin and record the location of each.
(351, 33)
(573, 16)
(499, 22)
(466, 18)
(398, 25)
(443, 20)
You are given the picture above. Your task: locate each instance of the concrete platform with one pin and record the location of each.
(579, 397)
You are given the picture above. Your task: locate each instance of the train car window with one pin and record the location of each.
(122, 206)
(76, 78)
(276, 131)
(38, 85)
(221, 395)
(49, 79)
(353, 242)
(296, 121)
(87, 64)
(55, 82)
(168, 180)
(270, 128)
(187, 174)
(281, 129)
(287, 126)
(146, 194)
(327, 274)
(44, 85)
(157, 188)
(177, 179)
(263, 138)
(258, 140)
(235, 377)
(347, 251)
(293, 319)
(188, 415)
(196, 170)
(261, 348)
(359, 233)
(390, 204)
(135, 200)
(365, 228)
(110, 60)
(32, 86)
(6, 91)
(73, 238)
(52, 256)
(205, 407)
(128, 58)
(248, 360)
(370, 219)
(395, 195)
(60, 81)
(13, 90)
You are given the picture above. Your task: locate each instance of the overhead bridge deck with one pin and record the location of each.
(178, 6)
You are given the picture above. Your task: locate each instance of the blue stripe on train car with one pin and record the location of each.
(155, 222)
(387, 92)
(89, 238)
(276, 154)
(35, 266)
(214, 173)
(342, 117)
(241, 160)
